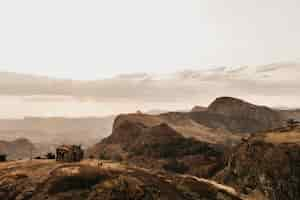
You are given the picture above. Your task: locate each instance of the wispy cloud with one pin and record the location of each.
(279, 81)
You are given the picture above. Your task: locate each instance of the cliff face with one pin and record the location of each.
(198, 139)
(152, 144)
(266, 166)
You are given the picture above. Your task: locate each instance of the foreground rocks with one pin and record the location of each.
(35, 180)
(267, 166)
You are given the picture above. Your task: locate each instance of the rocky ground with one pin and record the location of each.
(233, 150)
(266, 166)
(45, 179)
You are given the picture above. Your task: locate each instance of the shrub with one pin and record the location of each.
(175, 166)
(86, 178)
(50, 156)
(103, 156)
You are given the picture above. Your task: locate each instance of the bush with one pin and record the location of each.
(175, 166)
(50, 156)
(103, 156)
(84, 179)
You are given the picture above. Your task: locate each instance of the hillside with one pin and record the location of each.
(36, 180)
(266, 166)
(199, 140)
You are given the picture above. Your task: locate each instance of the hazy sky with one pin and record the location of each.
(95, 39)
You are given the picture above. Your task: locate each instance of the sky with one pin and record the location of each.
(98, 39)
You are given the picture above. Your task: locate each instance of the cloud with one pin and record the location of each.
(270, 81)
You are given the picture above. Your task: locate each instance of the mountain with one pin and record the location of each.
(192, 138)
(146, 142)
(17, 149)
(261, 117)
(47, 132)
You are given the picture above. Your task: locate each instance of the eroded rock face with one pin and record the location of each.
(263, 117)
(156, 146)
(268, 165)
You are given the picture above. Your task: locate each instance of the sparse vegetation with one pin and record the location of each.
(84, 179)
(175, 166)
(104, 156)
(178, 147)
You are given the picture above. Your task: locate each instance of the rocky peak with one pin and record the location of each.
(233, 107)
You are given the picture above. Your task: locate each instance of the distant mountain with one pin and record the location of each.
(17, 149)
(291, 114)
(57, 130)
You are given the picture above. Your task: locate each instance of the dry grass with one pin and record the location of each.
(84, 178)
(283, 137)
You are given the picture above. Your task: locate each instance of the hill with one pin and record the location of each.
(258, 118)
(199, 140)
(266, 166)
(35, 180)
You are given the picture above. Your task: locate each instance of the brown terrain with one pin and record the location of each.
(266, 166)
(36, 180)
(230, 150)
(196, 143)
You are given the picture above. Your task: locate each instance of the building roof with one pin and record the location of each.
(67, 147)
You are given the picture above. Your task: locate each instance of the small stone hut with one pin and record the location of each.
(3, 157)
(69, 153)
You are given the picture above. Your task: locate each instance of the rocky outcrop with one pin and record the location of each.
(198, 139)
(259, 118)
(151, 144)
(266, 166)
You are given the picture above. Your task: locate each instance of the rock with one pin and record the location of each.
(267, 164)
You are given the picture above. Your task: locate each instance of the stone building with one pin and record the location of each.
(69, 153)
